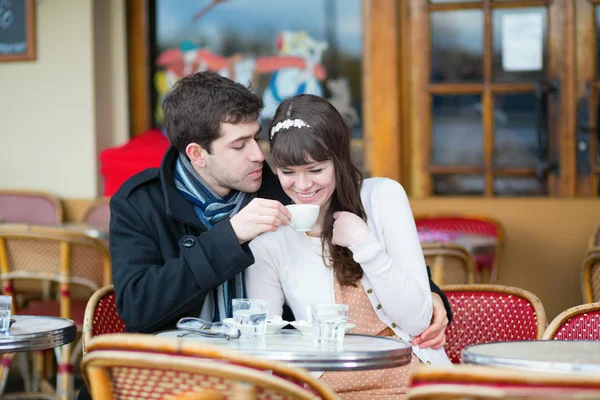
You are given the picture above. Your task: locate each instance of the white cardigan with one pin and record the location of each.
(289, 268)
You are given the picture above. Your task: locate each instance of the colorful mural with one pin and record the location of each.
(279, 48)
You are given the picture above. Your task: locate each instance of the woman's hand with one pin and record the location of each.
(348, 229)
(435, 335)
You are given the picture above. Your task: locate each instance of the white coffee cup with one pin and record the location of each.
(304, 216)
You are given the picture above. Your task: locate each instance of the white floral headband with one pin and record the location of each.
(287, 124)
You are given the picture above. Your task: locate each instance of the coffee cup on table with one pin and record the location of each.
(304, 216)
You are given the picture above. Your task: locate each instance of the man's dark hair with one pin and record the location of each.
(197, 105)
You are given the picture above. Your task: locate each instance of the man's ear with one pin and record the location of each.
(196, 154)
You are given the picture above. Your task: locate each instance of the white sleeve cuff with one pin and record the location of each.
(369, 254)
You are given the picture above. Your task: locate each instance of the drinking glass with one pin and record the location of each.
(5, 304)
(250, 316)
(329, 322)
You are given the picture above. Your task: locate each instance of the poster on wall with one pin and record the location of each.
(17, 30)
(280, 48)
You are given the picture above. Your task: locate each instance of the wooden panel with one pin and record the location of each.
(405, 121)
(488, 100)
(477, 5)
(381, 88)
(585, 59)
(454, 88)
(561, 47)
(420, 101)
(474, 88)
(471, 170)
(138, 72)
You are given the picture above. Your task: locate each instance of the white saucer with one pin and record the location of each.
(306, 328)
(272, 326)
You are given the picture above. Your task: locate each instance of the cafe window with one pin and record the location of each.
(280, 48)
(504, 99)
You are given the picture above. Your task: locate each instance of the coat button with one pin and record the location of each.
(188, 242)
(379, 306)
(394, 325)
(369, 291)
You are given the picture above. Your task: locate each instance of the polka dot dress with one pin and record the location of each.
(389, 383)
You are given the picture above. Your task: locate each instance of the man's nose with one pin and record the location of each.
(256, 154)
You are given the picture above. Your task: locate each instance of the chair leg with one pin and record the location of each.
(38, 371)
(4, 368)
(24, 369)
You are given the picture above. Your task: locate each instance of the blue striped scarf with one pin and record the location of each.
(211, 209)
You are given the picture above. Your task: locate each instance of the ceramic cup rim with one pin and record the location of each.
(303, 205)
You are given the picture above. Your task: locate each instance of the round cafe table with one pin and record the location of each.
(30, 333)
(356, 352)
(539, 355)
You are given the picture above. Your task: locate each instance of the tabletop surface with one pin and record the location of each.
(539, 355)
(29, 333)
(92, 230)
(357, 352)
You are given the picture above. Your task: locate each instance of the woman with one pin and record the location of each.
(363, 250)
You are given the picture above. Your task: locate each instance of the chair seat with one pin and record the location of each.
(51, 308)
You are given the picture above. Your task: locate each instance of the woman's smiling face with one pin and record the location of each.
(312, 183)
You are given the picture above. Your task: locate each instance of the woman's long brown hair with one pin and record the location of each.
(326, 138)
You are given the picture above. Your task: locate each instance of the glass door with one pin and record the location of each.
(588, 97)
(488, 91)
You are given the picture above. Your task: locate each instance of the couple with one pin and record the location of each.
(211, 224)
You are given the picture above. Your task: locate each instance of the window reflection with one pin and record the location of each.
(457, 130)
(458, 185)
(527, 186)
(515, 130)
(281, 49)
(457, 46)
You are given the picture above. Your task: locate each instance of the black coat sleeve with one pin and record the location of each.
(436, 289)
(151, 293)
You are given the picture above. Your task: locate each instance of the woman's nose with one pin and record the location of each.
(303, 183)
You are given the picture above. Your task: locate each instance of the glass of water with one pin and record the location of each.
(329, 322)
(5, 304)
(250, 316)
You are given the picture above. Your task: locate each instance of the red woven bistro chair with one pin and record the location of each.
(69, 260)
(576, 323)
(450, 263)
(590, 276)
(101, 315)
(476, 382)
(135, 366)
(487, 263)
(29, 207)
(98, 214)
(491, 313)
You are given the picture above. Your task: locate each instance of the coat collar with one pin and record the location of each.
(179, 208)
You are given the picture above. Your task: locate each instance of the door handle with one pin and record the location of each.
(584, 134)
(546, 163)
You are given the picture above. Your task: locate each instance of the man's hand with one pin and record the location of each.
(260, 215)
(348, 229)
(435, 335)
